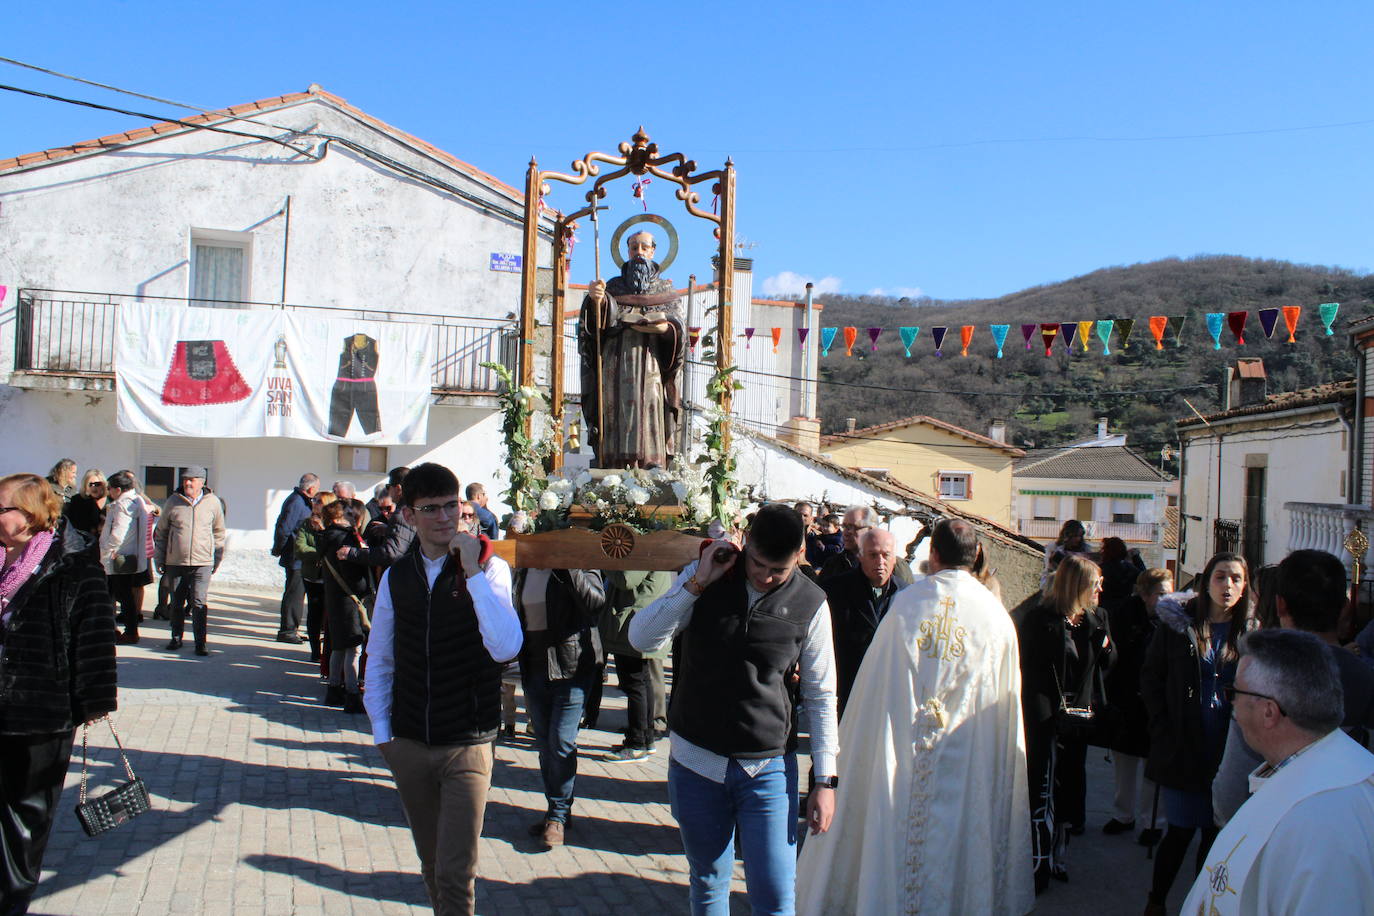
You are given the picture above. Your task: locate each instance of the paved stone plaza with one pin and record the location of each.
(267, 802)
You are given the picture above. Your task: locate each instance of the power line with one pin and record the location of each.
(140, 114)
(140, 95)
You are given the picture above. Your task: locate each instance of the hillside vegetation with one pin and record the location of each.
(1049, 400)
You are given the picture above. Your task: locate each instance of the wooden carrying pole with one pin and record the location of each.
(725, 336)
(528, 275)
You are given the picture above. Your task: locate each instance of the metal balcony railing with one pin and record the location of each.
(59, 332)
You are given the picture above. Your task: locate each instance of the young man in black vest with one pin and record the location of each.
(442, 630)
(745, 619)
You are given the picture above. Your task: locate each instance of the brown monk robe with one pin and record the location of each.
(632, 400)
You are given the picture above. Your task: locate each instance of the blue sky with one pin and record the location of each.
(955, 149)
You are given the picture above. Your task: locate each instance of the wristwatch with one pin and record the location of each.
(827, 782)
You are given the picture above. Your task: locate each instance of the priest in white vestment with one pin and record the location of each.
(1304, 841)
(931, 814)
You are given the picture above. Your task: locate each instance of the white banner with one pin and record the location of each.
(182, 371)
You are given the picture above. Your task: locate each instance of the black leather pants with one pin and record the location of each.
(32, 769)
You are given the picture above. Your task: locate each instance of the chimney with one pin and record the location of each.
(1101, 427)
(997, 430)
(1249, 384)
(849, 424)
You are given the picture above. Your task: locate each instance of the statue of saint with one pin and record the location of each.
(632, 346)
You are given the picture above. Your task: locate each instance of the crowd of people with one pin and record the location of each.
(914, 676)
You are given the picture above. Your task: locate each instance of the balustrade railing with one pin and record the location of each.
(68, 333)
(1324, 526)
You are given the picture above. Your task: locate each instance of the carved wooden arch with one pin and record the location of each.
(638, 156)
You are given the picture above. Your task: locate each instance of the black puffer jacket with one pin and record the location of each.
(571, 643)
(57, 664)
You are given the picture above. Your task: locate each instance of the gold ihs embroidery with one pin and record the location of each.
(941, 637)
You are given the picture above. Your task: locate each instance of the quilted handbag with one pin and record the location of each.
(124, 802)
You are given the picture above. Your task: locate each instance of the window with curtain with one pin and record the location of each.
(217, 275)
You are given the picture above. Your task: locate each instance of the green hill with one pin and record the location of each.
(1049, 400)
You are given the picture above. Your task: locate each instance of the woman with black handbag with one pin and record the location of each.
(347, 586)
(1191, 661)
(1065, 647)
(57, 669)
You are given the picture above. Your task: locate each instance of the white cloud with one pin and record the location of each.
(898, 292)
(789, 283)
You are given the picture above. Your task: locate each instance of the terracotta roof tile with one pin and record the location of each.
(869, 432)
(111, 141)
(1329, 393)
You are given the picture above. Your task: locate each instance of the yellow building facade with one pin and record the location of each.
(959, 466)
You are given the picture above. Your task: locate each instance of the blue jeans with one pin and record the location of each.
(555, 711)
(764, 811)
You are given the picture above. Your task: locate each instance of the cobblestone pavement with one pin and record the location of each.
(267, 802)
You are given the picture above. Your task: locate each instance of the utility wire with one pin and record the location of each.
(139, 114)
(140, 95)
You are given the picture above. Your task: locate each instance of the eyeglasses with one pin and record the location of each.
(433, 509)
(848, 527)
(468, 515)
(1230, 693)
(96, 483)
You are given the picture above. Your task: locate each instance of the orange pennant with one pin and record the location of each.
(1291, 313)
(1157, 325)
(850, 335)
(777, 337)
(965, 335)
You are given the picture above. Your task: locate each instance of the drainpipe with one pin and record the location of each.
(806, 359)
(285, 247)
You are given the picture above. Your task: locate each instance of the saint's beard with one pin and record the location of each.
(639, 274)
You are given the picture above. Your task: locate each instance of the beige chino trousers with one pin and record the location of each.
(444, 792)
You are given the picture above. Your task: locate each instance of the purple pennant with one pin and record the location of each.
(1028, 331)
(1269, 319)
(748, 337)
(801, 337)
(873, 338)
(939, 335)
(1067, 330)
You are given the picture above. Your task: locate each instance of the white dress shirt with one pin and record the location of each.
(496, 619)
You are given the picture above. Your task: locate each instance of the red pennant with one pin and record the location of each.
(1236, 322)
(1047, 334)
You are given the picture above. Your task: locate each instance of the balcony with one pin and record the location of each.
(61, 334)
(1131, 532)
(1324, 526)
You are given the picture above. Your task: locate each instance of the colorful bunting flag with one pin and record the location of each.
(1124, 327)
(1291, 314)
(4, 290)
(1104, 334)
(1027, 331)
(1047, 334)
(1236, 322)
(965, 336)
(999, 336)
(1328, 313)
(1157, 325)
(827, 338)
(909, 337)
(1214, 320)
(748, 337)
(873, 339)
(1085, 330)
(801, 337)
(693, 335)
(1067, 330)
(850, 335)
(1176, 325)
(939, 335)
(1269, 319)
(777, 338)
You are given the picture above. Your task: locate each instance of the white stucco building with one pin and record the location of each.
(325, 210)
(1255, 474)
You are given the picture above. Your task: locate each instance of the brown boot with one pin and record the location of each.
(552, 834)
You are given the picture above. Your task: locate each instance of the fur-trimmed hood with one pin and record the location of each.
(1172, 611)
